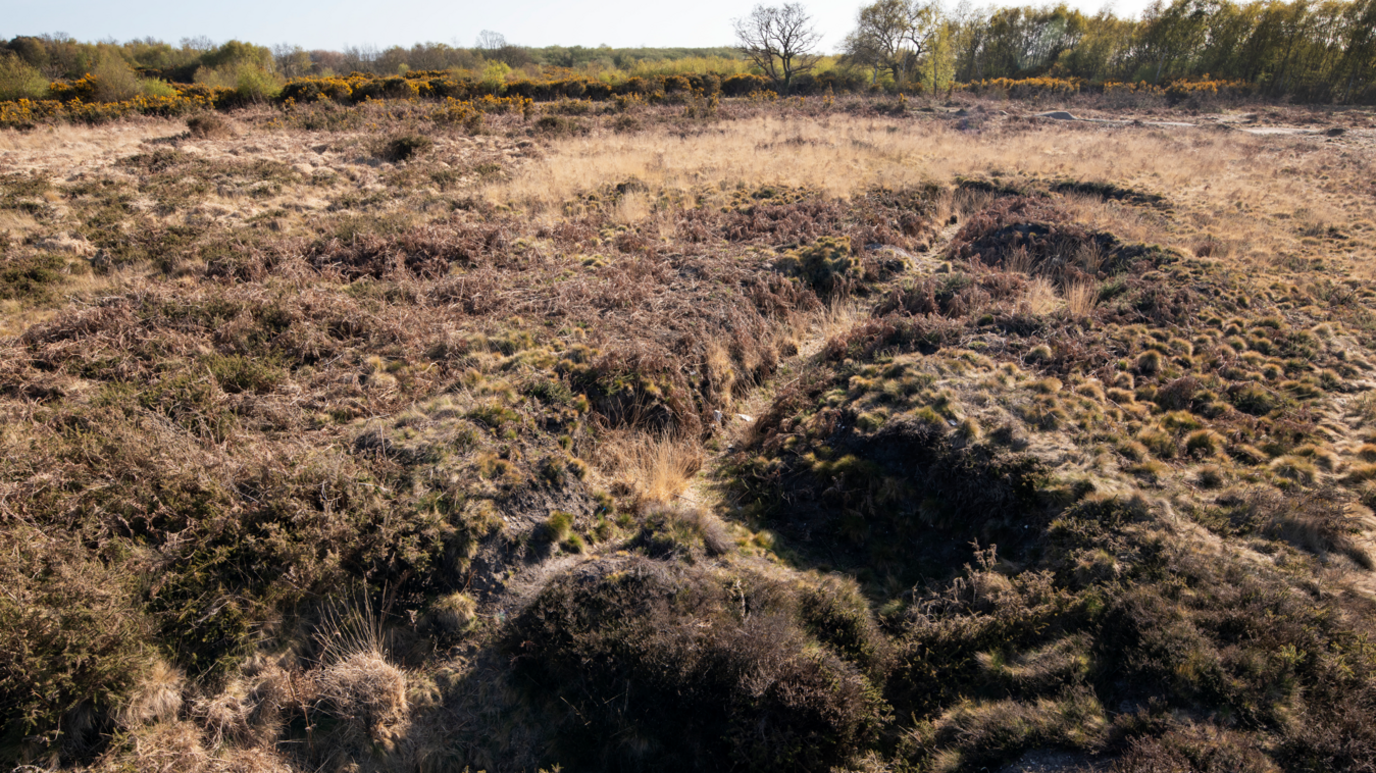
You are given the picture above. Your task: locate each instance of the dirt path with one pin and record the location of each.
(707, 490)
(1265, 131)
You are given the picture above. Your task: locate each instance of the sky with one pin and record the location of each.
(334, 25)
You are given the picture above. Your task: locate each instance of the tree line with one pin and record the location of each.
(1315, 51)
(57, 57)
(1307, 50)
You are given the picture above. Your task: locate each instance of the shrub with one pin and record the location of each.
(1195, 749)
(255, 84)
(404, 147)
(210, 126)
(676, 667)
(30, 279)
(743, 85)
(71, 646)
(236, 373)
(557, 124)
(114, 80)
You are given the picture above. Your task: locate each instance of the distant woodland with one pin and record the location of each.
(1317, 52)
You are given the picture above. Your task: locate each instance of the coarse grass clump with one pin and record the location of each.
(405, 147)
(826, 266)
(1203, 442)
(454, 613)
(1149, 362)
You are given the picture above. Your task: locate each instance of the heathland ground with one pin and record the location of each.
(836, 433)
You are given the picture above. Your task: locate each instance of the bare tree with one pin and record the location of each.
(779, 39)
(893, 35)
(490, 41)
(292, 61)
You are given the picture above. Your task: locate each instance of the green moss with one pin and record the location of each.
(825, 265)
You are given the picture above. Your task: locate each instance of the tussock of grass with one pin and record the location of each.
(657, 468)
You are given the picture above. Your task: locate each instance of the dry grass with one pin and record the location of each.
(1081, 298)
(365, 690)
(840, 315)
(104, 139)
(841, 154)
(1227, 181)
(632, 209)
(66, 149)
(158, 698)
(1040, 297)
(657, 467)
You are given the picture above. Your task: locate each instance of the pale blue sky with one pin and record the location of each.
(358, 23)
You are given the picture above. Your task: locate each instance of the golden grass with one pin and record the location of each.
(657, 466)
(65, 149)
(631, 209)
(1040, 297)
(842, 154)
(157, 698)
(840, 316)
(18, 224)
(1080, 298)
(103, 137)
(1229, 183)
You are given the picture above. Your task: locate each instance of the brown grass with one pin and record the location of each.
(1227, 181)
(157, 698)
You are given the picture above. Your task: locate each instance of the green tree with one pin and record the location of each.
(939, 66)
(895, 35)
(1358, 62)
(1104, 51)
(20, 80)
(1171, 36)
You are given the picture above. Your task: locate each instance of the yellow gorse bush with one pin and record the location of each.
(30, 112)
(464, 96)
(1181, 89)
(1022, 87)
